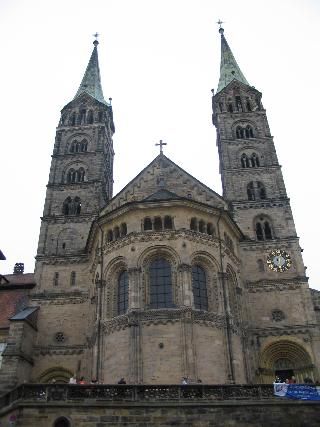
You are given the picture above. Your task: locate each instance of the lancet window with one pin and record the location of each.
(160, 278)
(263, 229)
(256, 191)
(250, 161)
(123, 292)
(71, 206)
(244, 132)
(199, 288)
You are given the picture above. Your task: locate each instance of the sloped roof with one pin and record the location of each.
(164, 178)
(229, 69)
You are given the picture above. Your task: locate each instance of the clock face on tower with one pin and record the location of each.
(278, 260)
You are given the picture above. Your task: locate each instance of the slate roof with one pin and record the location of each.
(229, 69)
(91, 82)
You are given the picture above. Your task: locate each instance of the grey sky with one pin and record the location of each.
(158, 61)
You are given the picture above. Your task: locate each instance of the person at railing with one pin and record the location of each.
(73, 379)
(94, 381)
(82, 381)
(122, 381)
(184, 381)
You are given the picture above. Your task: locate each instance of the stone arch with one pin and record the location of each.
(80, 137)
(243, 124)
(76, 165)
(111, 274)
(144, 261)
(55, 374)
(211, 268)
(285, 353)
(62, 422)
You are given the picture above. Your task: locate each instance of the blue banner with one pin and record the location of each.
(297, 391)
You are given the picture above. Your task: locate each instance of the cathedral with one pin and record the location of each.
(166, 279)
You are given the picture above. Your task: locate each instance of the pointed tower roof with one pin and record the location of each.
(91, 82)
(229, 69)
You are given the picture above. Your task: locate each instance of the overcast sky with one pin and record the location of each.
(159, 60)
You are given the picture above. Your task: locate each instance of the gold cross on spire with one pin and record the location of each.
(161, 144)
(96, 35)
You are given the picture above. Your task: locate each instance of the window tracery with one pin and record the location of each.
(263, 229)
(160, 277)
(71, 206)
(199, 288)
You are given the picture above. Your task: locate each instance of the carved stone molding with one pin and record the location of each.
(164, 317)
(60, 298)
(58, 350)
(271, 287)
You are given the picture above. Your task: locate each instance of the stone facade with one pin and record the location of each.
(167, 278)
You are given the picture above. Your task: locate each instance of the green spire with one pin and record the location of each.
(91, 82)
(229, 69)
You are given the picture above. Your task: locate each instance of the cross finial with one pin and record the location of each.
(96, 35)
(220, 23)
(161, 144)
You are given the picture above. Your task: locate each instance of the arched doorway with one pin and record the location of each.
(285, 358)
(55, 375)
(62, 422)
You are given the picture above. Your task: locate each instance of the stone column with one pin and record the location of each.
(185, 285)
(135, 349)
(134, 288)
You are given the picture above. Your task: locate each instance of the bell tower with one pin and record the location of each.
(252, 180)
(81, 173)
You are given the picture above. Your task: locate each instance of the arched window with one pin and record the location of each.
(73, 147)
(230, 107)
(239, 104)
(77, 206)
(194, 224)
(61, 422)
(90, 117)
(123, 229)
(199, 288)
(239, 132)
(261, 191)
(250, 191)
(84, 145)
(67, 206)
(210, 229)
(100, 116)
(248, 105)
(147, 224)
(158, 223)
(80, 175)
(160, 284)
(116, 233)
(109, 236)
(254, 159)
(201, 226)
(245, 161)
(263, 229)
(72, 278)
(71, 176)
(168, 223)
(123, 292)
(249, 131)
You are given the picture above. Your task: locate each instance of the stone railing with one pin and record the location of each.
(42, 393)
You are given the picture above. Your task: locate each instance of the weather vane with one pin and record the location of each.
(161, 145)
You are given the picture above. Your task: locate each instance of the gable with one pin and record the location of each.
(162, 179)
